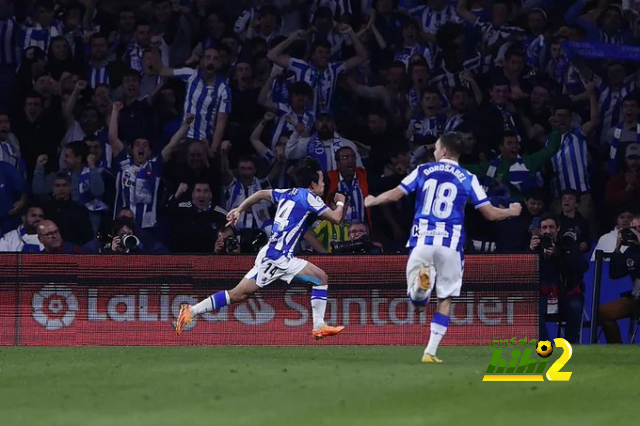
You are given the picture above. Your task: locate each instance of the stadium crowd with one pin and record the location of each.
(155, 118)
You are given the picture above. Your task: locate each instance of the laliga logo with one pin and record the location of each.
(54, 307)
(254, 312)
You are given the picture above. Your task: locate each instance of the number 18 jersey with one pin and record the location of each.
(442, 190)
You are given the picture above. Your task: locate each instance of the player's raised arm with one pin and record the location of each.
(336, 215)
(494, 213)
(481, 202)
(390, 196)
(234, 215)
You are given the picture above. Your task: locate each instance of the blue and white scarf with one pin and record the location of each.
(355, 211)
(316, 149)
(30, 241)
(86, 197)
(615, 144)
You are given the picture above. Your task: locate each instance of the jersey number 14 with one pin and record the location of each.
(439, 198)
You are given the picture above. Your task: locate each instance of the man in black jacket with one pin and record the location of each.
(195, 222)
(72, 218)
(625, 261)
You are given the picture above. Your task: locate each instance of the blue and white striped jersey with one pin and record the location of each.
(570, 163)
(442, 190)
(431, 20)
(98, 75)
(10, 40)
(284, 128)
(294, 207)
(137, 188)
(39, 36)
(322, 82)
(204, 101)
(405, 53)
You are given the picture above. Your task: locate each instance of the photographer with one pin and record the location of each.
(625, 261)
(562, 269)
(227, 241)
(359, 241)
(124, 241)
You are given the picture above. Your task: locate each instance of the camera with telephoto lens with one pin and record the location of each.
(231, 244)
(569, 241)
(130, 241)
(546, 242)
(361, 245)
(628, 237)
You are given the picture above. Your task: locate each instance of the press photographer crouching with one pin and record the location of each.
(625, 261)
(227, 241)
(562, 269)
(359, 241)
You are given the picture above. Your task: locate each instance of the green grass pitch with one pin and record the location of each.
(307, 386)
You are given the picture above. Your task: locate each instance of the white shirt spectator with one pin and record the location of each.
(19, 241)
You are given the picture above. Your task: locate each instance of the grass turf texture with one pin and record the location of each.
(306, 386)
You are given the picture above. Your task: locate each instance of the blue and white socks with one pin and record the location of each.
(214, 302)
(318, 305)
(418, 296)
(439, 326)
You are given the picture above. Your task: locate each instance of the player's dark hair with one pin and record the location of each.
(307, 172)
(453, 142)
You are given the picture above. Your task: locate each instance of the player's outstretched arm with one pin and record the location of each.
(234, 214)
(494, 213)
(390, 196)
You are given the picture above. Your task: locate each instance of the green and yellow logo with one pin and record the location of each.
(522, 367)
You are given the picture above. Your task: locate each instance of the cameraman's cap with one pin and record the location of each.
(633, 150)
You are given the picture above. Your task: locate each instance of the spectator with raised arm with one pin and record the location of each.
(296, 113)
(319, 72)
(322, 145)
(139, 172)
(208, 97)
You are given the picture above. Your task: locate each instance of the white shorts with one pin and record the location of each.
(265, 270)
(445, 269)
